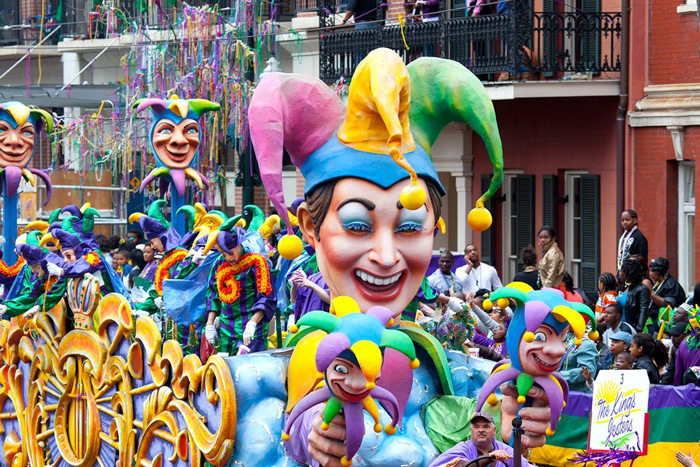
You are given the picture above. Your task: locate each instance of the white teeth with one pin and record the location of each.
(377, 280)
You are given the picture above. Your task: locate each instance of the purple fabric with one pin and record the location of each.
(149, 271)
(298, 444)
(685, 358)
(31, 254)
(467, 451)
(308, 300)
(490, 343)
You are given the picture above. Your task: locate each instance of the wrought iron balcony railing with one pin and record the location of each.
(517, 41)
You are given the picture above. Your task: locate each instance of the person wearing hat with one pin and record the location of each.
(481, 444)
(240, 294)
(36, 294)
(688, 354)
(678, 334)
(612, 314)
(619, 342)
(665, 291)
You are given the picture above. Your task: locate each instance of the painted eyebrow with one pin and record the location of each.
(363, 201)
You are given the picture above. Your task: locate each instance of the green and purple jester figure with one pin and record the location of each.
(174, 140)
(19, 125)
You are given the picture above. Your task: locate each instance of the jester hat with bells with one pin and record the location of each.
(200, 224)
(395, 113)
(534, 308)
(176, 110)
(156, 225)
(360, 338)
(14, 168)
(82, 222)
(227, 237)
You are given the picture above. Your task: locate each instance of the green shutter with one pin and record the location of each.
(549, 28)
(549, 200)
(488, 239)
(590, 36)
(590, 234)
(525, 210)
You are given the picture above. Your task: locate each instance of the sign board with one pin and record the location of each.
(619, 418)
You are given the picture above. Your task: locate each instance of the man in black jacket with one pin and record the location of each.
(677, 333)
(665, 290)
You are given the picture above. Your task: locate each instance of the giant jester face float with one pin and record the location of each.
(19, 126)
(174, 139)
(372, 192)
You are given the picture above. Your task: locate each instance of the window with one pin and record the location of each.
(686, 225)
(582, 236)
(572, 246)
(518, 220)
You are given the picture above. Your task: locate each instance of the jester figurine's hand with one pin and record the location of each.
(536, 419)
(54, 270)
(327, 447)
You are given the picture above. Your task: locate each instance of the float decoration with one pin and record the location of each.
(539, 315)
(20, 125)
(352, 351)
(110, 395)
(174, 139)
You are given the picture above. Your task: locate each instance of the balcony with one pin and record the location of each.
(519, 43)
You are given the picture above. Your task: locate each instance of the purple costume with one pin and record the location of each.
(467, 451)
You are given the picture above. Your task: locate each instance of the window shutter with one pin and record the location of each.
(590, 234)
(549, 28)
(590, 36)
(549, 200)
(524, 206)
(487, 237)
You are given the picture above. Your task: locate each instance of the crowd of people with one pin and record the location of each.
(632, 304)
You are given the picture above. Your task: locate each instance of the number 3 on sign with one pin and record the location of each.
(622, 378)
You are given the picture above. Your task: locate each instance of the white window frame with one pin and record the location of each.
(509, 262)
(573, 265)
(686, 222)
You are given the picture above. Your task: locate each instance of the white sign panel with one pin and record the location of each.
(619, 418)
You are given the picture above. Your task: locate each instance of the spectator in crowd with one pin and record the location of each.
(613, 319)
(552, 265)
(484, 323)
(575, 359)
(632, 241)
(134, 236)
(607, 294)
(649, 355)
(619, 342)
(482, 443)
(677, 334)
(645, 270)
(137, 263)
(686, 461)
(308, 294)
(476, 275)
(567, 286)
(695, 299)
(443, 279)
(120, 262)
(666, 290)
(105, 249)
(114, 242)
(364, 12)
(624, 361)
(603, 350)
(151, 263)
(530, 274)
(638, 294)
(491, 349)
(680, 315)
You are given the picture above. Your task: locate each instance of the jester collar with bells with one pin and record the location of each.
(354, 340)
(534, 309)
(174, 139)
(17, 149)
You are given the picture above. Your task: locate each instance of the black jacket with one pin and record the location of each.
(672, 292)
(637, 306)
(670, 369)
(645, 363)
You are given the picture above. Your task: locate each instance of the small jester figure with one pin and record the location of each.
(174, 139)
(535, 343)
(39, 290)
(350, 358)
(19, 126)
(240, 293)
(175, 264)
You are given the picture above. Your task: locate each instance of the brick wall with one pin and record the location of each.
(673, 44)
(656, 190)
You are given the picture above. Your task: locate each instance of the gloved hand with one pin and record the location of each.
(32, 311)
(210, 334)
(140, 313)
(198, 258)
(249, 332)
(158, 301)
(3, 309)
(217, 322)
(54, 270)
(291, 320)
(455, 304)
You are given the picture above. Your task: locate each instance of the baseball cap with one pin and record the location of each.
(623, 336)
(677, 329)
(485, 415)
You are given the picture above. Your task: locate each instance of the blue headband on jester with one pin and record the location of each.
(394, 116)
(175, 110)
(17, 114)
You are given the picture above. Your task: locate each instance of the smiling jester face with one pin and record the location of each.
(175, 144)
(16, 144)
